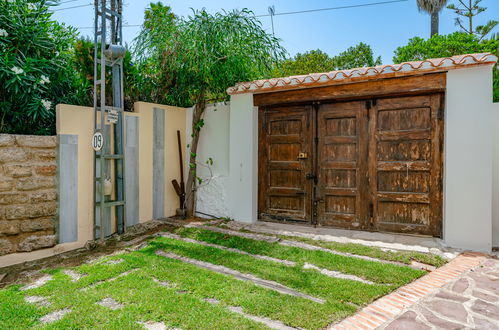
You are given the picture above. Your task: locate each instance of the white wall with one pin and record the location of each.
(495, 191)
(243, 182)
(468, 159)
(471, 206)
(214, 143)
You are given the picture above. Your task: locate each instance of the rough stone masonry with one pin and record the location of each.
(28, 193)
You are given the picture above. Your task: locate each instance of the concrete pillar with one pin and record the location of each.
(468, 159)
(243, 154)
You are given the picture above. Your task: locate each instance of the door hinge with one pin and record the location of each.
(440, 113)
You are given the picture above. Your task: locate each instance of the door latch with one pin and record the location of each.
(310, 176)
(302, 155)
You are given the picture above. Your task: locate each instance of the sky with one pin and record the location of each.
(385, 27)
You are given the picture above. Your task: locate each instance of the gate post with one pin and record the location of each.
(243, 159)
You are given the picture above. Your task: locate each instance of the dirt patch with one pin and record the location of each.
(29, 271)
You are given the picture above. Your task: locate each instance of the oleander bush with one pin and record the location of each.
(36, 71)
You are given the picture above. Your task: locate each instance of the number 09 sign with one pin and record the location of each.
(97, 141)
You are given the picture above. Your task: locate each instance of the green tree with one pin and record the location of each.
(456, 43)
(468, 10)
(308, 62)
(357, 56)
(314, 61)
(83, 64)
(433, 8)
(35, 75)
(199, 58)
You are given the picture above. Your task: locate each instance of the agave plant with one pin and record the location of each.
(433, 8)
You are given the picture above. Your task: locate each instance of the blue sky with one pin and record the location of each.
(384, 27)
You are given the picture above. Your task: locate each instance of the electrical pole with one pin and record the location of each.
(272, 13)
(108, 120)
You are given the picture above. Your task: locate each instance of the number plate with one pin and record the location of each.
(97, 141)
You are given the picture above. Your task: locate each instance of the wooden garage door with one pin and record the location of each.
(342, 164)
(372, 165)
(285, 192)
(405, 164)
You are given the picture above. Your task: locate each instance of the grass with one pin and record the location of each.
(369, 270)
(183, 303)
(405, 257)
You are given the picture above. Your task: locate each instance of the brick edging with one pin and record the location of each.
(392, 305)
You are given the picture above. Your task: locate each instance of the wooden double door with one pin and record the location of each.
(371, 164)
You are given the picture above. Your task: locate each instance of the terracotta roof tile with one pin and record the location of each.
(359, 74)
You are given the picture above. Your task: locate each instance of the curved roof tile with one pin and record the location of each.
(359, 74)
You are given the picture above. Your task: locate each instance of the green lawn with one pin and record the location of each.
(182, 303)
(370, 251)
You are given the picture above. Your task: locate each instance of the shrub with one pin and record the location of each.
(456, 43)
(35, 75)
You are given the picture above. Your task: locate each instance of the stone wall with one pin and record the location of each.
(28, 193)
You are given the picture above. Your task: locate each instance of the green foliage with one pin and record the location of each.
(34, 72)
(83, 64)
(308, 62)
(357, 56)
(456, 43)
(467, 11)
(188, 59)
(314, 61)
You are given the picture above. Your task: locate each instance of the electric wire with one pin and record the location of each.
(331, 8)
(66, 8)
(296, 12)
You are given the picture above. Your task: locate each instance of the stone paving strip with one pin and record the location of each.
(272, 324)
(166, 284)
(110, 303)
(326, 272)
(335, 274)
(153, 325)
(109, 280)
(383, 311)
(75, 276)
(55, 316)
(241, 276)
(38, 283)
(38, 300)
(301, 245)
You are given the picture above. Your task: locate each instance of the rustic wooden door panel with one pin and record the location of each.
(373, 165)
(285, 193)
(341, 164)
(405, 165)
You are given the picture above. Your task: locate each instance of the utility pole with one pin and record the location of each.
(108, 120)
(272, 13)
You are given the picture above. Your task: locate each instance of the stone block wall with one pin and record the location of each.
(28, 192)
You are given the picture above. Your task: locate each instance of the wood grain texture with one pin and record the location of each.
(285, 193)
(374, 164)
(434, 82)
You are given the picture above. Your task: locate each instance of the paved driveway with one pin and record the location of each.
(470, 302)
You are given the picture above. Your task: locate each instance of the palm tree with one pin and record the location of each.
(432, 7)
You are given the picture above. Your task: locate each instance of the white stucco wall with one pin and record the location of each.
(243, 162)
(214, 142)
(468, 159)
(471, 177)
(495, 190)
